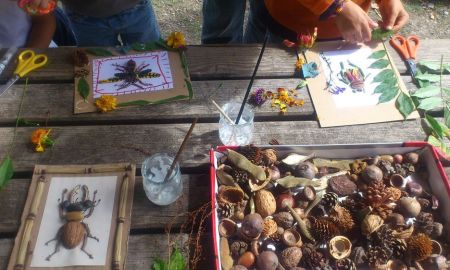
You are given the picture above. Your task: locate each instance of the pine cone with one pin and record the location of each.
(345, 264)
(384, 237)
(398, 248)
(383, 210)
(377, 256)
(240, 176)
(252, 153)
(225, 210)
(424, 222)
(314, 259)
(379, 198)
(404, 169)
(353, 203)
(323, 228)
(419, 247)
(329, 200)
(342, 218)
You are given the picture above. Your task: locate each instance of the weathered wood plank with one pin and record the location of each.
(142, 250)
(232, 61)
(55, 101)
(146, 215)
(117, 143)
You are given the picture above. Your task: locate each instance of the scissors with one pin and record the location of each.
(28, 61)
(407, 48)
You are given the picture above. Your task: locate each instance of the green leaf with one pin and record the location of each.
(381, 34)
(435, 126)
(177, 261)
(383, 87)
(430, 66)
(380, 64)
(447, 67)
(99, 52)
(447, 116)
(428, 77)
(6, 171)
(430, 103)
(423, 84)
(27, 123)
(302, 84)
(404, 104)
(184, 64)
(83, 88)
(388, 95)
(434, 141)
(384, 75)
(159, 265)
(446, 90)
(378, 54)
(428, 91)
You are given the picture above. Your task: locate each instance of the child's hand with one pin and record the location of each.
(354, 23)
(394, 15)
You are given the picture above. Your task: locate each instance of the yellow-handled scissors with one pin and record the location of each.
(28, 61)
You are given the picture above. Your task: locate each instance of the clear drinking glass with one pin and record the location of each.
(154, 170)
(234, 135)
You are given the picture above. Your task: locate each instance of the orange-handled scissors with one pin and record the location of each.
(407, 48)
(28, 61)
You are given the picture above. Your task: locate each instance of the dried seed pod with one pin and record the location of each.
(409, 206)
(370, 224)
(265, 203)
(394, 193)
(226, 260)
(398, 248)
(292, 238)
(372, 173)
(397, 181)
(270, 227)
(340, 247)
(231, 195)
(342, 218)
(252, 226)
(323, 228)
(284, 219)
(306, 170)
(290, 257)
(342, 185)
(243, 163)
(419, 247)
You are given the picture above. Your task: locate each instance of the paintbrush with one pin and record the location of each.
(223, 113)
(266, 37)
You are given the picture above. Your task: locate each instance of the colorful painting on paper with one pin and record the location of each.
(130, 74)
(350, 78)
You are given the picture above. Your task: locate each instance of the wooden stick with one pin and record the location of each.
(23, 247)
(120, 223)
(180, 150)
(223, 113)
(253, 77)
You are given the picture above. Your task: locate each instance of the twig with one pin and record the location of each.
(253, 78)
(180, 150)
(222, 112)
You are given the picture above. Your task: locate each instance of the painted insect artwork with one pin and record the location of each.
(352, 76)
(73, 212)
(131, 74)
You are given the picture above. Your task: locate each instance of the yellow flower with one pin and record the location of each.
(299, 63)
(40, 138)
(106, 103)
(176, 40)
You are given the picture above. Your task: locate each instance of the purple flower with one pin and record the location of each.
(336, 90)
(258, 97)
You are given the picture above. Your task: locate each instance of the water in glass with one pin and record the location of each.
(240, 134)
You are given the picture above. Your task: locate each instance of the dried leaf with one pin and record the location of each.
(99, 52)
(343, 164)
(428, 91)
(292, 181)
(294, 159)
(435, 126)
(388, 95)
(380, 64)
(384, 75)
(302, 84)
(430, 103)
(83, 88)
(428, 77)
(6, 171)
(404, 104)
(378, 54)
(381, 34)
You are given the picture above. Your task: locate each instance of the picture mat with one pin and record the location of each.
(348, 98)
(180, 90)
(103, 68)
(99, 223)
(327, 112)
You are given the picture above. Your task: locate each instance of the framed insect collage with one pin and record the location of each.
(76, 217)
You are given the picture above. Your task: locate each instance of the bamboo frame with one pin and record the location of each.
(117, 257)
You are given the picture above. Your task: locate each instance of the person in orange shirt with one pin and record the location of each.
(334, 19)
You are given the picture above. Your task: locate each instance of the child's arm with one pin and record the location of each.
(41, 32)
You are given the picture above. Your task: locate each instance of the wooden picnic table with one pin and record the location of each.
(131, 134)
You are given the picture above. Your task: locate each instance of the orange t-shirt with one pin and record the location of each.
(301, 16)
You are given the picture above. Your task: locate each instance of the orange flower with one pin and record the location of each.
(40, 139)
(106, 103)
(176, 40)
(307, 41)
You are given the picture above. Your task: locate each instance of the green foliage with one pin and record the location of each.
(430, 103)
(302, 84)
(378, 54)
(6, 172)
(384, 75)
(99, 52)
(380, 64)
(176, 262)
(404, 105)
(83, 88)
(432, 67)
(383, 87)
(388, 95)
(26, 123)
(381, 34)
(426, 92)
(436, 129)
(428, 77)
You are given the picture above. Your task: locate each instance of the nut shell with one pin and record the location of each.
(370, 224)
(291, 238)
(409, 207)
(227, 227)
(372, 173)
(270, 227)
(284, 219)
(290, 257)
(230, 194)
(340, 247)
(265, 203)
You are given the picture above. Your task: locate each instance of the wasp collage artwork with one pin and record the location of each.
(356, 84)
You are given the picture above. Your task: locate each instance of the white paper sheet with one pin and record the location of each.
(106, 74)
(99, 223)
(348, 98)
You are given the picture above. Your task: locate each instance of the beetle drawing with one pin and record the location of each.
(131, 74)
(73, 212)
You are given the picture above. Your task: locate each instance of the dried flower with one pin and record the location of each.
(284, 98)
(176, 40)
(299, 63)
(40, 139)
(304, 41)
(106, 103)
(258, 97)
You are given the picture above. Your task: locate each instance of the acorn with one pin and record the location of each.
(308, 194)
(372, 173)
(291, 238)
(267, 260)
(414, 188)
(412, 158)
(306, 170)
(409, 207)
(247, 259)
(290, 257)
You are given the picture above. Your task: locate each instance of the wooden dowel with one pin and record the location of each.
(180, 150)
(266, 37)
(223, 113)
(117, 261)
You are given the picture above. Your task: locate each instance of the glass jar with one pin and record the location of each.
(154, 170)
(240, 134)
